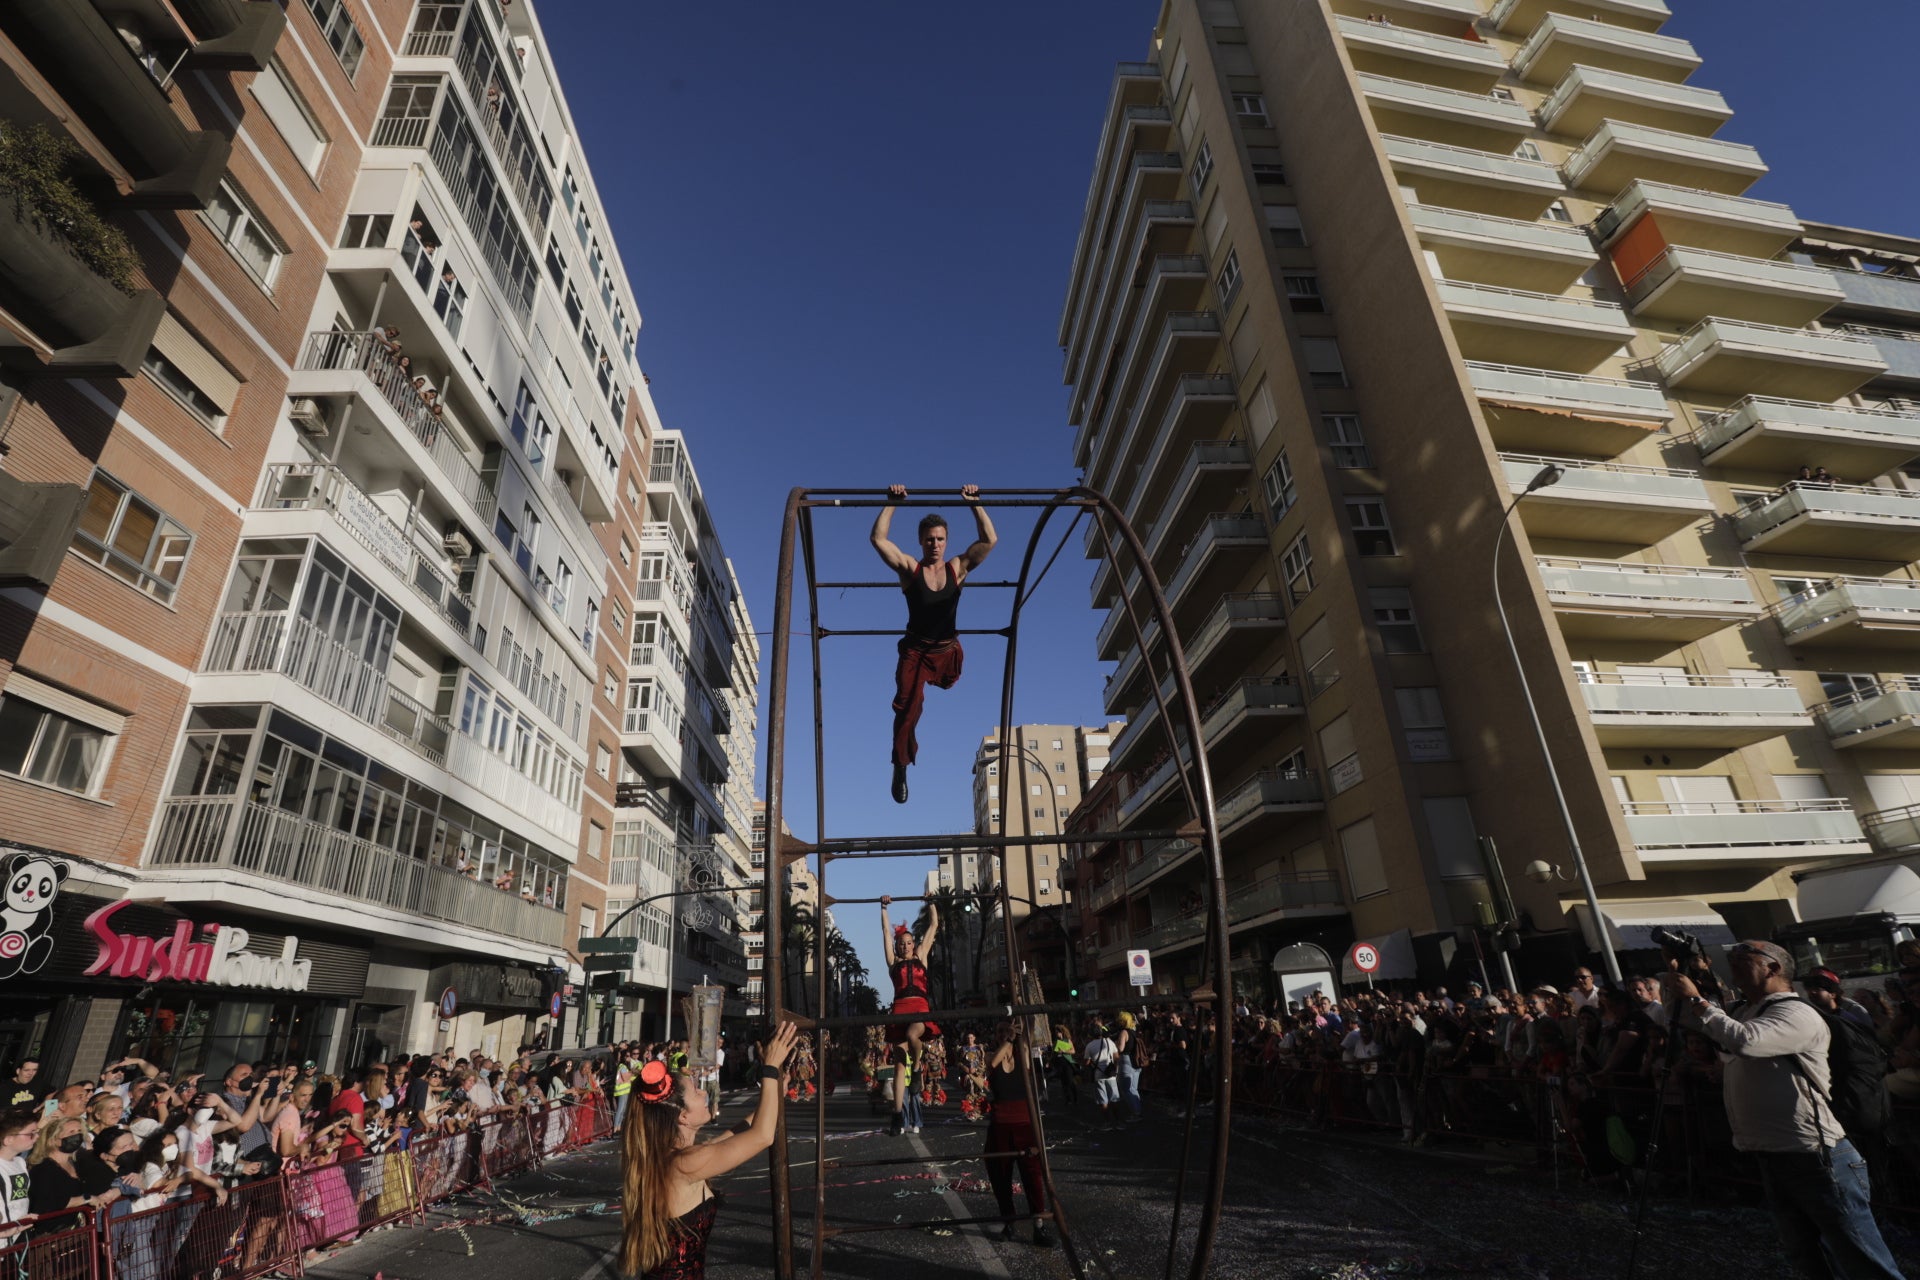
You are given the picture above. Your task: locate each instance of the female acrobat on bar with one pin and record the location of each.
(910, 990)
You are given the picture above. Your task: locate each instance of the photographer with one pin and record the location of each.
(1777, 1092)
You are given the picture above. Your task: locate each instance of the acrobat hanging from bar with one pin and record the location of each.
(930, 650)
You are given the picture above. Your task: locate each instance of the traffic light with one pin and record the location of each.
(1073, 993)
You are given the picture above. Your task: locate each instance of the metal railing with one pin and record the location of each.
(416, 725)
(1873, 706)
(428, 44)
(223, 831)
(1475, 51)
(299, 650)
(1895, 426)
(1269, 786)
(1579, 77)
(323, 487)
(1819, 497)
(400, 131)
(368, 353)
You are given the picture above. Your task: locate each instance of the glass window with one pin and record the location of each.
(131, 538)
(1252, 109)
(244, 233)
(1349, 447)
(50, 748)
(1296, 562)
(274, 90)
(1371, 534)
(1278, 486)
(1303, 293)
(1393, 615)
(1229, 278)
(1283, 227)
(340, 32)
(1202, 166)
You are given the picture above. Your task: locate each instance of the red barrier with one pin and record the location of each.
(57, 1250)
(204, 1239)
(506, 1145)
(338, 1201)
(445, 1166)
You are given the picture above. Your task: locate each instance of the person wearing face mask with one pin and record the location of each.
(56, 1185)
(98, 1165)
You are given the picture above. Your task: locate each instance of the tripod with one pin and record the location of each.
(1652, 1148)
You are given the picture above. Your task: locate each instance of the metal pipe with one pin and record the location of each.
(779, 1180)
(961, 842)
(1611, 960)
(814, 632)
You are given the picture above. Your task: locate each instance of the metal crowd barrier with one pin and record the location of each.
(267, 1226)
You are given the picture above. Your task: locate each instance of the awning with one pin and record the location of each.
(1524, 407)
(1631, 923)
(1396, 959)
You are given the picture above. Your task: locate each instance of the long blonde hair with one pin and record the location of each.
(649, 1140)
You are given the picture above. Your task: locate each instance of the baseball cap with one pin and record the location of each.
(1825, 979)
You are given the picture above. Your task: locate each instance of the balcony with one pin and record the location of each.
(1551, 411)
(1706, 834)
(1899, 348)
(1701, 219)
(1214, 473)
(1883, 715)
(1686, 285)
(1174, 283)
(1808, 518)
(1217, 557)
(1415, 109)
(1158, 861)
(233, 35)
(1240, 626)
(1887, 296)
(1144, 727)
(1178, 932)
(318, 487)
(1545, 330)
(1855, 612)
(1248, 713)
(1894, 830)
(1455, 61)
(1562, 41)
(1450, 16)
(1618, 153)
(1188, 340)
(1110, 891)
(1163, 225)
(1201, 405)
(1547, 256)
(225, 834)
(1314, 892)
(1629, 600)
(1607, 501)
(1152, 789)
(1732, 357)
(64, 316)
(1763, 433)
(1519, 17)
(1689, 711)
(284, 644)
(1149, 196)
(1467, 178)
(1589, 96)
(1270, 799)
(1118, 693)
(380, 382)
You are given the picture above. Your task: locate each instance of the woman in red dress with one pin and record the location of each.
(910, 993)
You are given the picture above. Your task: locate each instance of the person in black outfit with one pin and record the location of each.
(1011, 1129)
(930, 650)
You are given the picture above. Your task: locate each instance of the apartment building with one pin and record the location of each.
(1050, 767)
(319, 619)
(802, 889)
(1352, 278)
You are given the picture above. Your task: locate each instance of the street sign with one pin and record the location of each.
(449, 1003)
(610, 946)
(1139, 968)
(1365, 957)
(553, 1005)
(597, 963)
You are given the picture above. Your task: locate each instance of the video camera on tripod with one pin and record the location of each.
(1688, 955)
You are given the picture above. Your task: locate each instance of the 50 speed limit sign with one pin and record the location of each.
(1365, 957)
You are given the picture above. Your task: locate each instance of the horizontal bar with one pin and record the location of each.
(895, 586)
(989, 1011)
(875, 1164)
(830, 1229)
(930, 493)
(961, 840)
(894, 633)
(986, 500)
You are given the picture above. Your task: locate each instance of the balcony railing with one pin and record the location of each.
(1894, 830)
(1885, 604)
(1883, 704)
(1417, 95)
(1261, 607)
(1180, 326)
(401, 131)
(1685, 695)
(1695, 204)
(417, 726)
(1221, 530)
(1601, 481)
(1576, 393)
(1268, 787)
(1663, 97)
(1812, 498)
(1563, 39)
(1881, 291)
(1423, 46)
(1811, 423)
(1255, 693)
(260, 840)
(368, 354)
(1150, 785)
(1155, 215)
(1634, 585)
(1558, 239)
(1472, 163)
(1678, 359)
(1703, 156)
(315, 486)
(1733, 824)
(1732, 268)
(293, 647)
(1541, 311)
(1286, 892)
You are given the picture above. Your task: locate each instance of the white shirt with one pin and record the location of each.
(13, 1189)
(1776, 1082)
(1581, 999)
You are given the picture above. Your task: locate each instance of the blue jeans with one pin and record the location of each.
(619, 1112)
(910, 1112)
(1823, 1213)
(1130, 1087)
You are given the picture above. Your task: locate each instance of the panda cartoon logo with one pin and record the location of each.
(26, 912)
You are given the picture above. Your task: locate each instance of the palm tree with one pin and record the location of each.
(844, 962)
(952, 906)
(802, 932)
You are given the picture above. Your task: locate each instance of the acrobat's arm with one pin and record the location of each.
(897, 560)
(985, 542)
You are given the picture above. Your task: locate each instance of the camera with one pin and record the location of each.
(1690, 957)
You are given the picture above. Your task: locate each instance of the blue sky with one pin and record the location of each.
(849, 227)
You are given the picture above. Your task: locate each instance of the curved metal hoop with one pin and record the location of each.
(1196, 783)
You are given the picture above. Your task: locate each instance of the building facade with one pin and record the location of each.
(326, 458)
(1352, 277)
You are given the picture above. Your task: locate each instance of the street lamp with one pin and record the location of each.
(1550, 475)
(701, 879)
(1027, 756)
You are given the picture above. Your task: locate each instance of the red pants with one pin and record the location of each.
(1012, 1130)
(918, 668)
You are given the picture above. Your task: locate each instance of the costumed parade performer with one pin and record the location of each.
(910, 993)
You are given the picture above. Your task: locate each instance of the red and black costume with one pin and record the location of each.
(688, 1235)
(930, 653)
(910, 992)
(1010, 1128)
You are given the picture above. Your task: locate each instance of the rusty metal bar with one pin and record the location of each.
(895, 586)
(961, 841)
(779, 1188)
(815, 632)
(857, 504)
(893, 633)
(861, 1227)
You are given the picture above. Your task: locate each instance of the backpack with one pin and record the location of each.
(1857, 1066)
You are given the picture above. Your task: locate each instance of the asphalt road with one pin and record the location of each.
(1298, 1205)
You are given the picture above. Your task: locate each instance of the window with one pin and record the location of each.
(1056, 744)
(1229, 279)
(342, 36)
(1279, 488)
(1316, 650)
(1283, 227)
(1296, 562)
(1526, 151)
(1303, 294)
(1558, 212)
(1202, 166)
(626, 550)
(1059, 766)
(1342, 756)
(65, 747)
(610, 686)
(244, 233)
(366, 231)
(1039, 811)
(1059, 788)
(274, 90)
(1324, 367)
(1266, 166)
(1793, 585)
(175, 382)
(131, 538)
(556, 265)
(1393, 615)
(1425, 724)
(450, 301)
(1033, 744)
(1844, 684)
(602, 759)
(1349, 448)
(1456, 843)
(1252, 110)
(1368, 519)
(1034, 789)
(1046, 885)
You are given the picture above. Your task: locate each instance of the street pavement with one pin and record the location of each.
(1298, 1204)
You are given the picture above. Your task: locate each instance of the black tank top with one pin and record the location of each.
(1007, 1086)
(932, 616)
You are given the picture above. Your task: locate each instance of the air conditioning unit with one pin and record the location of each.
(305, 415)
(457, 545)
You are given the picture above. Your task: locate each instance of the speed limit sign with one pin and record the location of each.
(1365, 957)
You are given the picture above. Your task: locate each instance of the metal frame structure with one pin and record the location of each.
(797, 542)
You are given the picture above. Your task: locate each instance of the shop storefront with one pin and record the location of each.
(494, 1006)
(187, 992)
